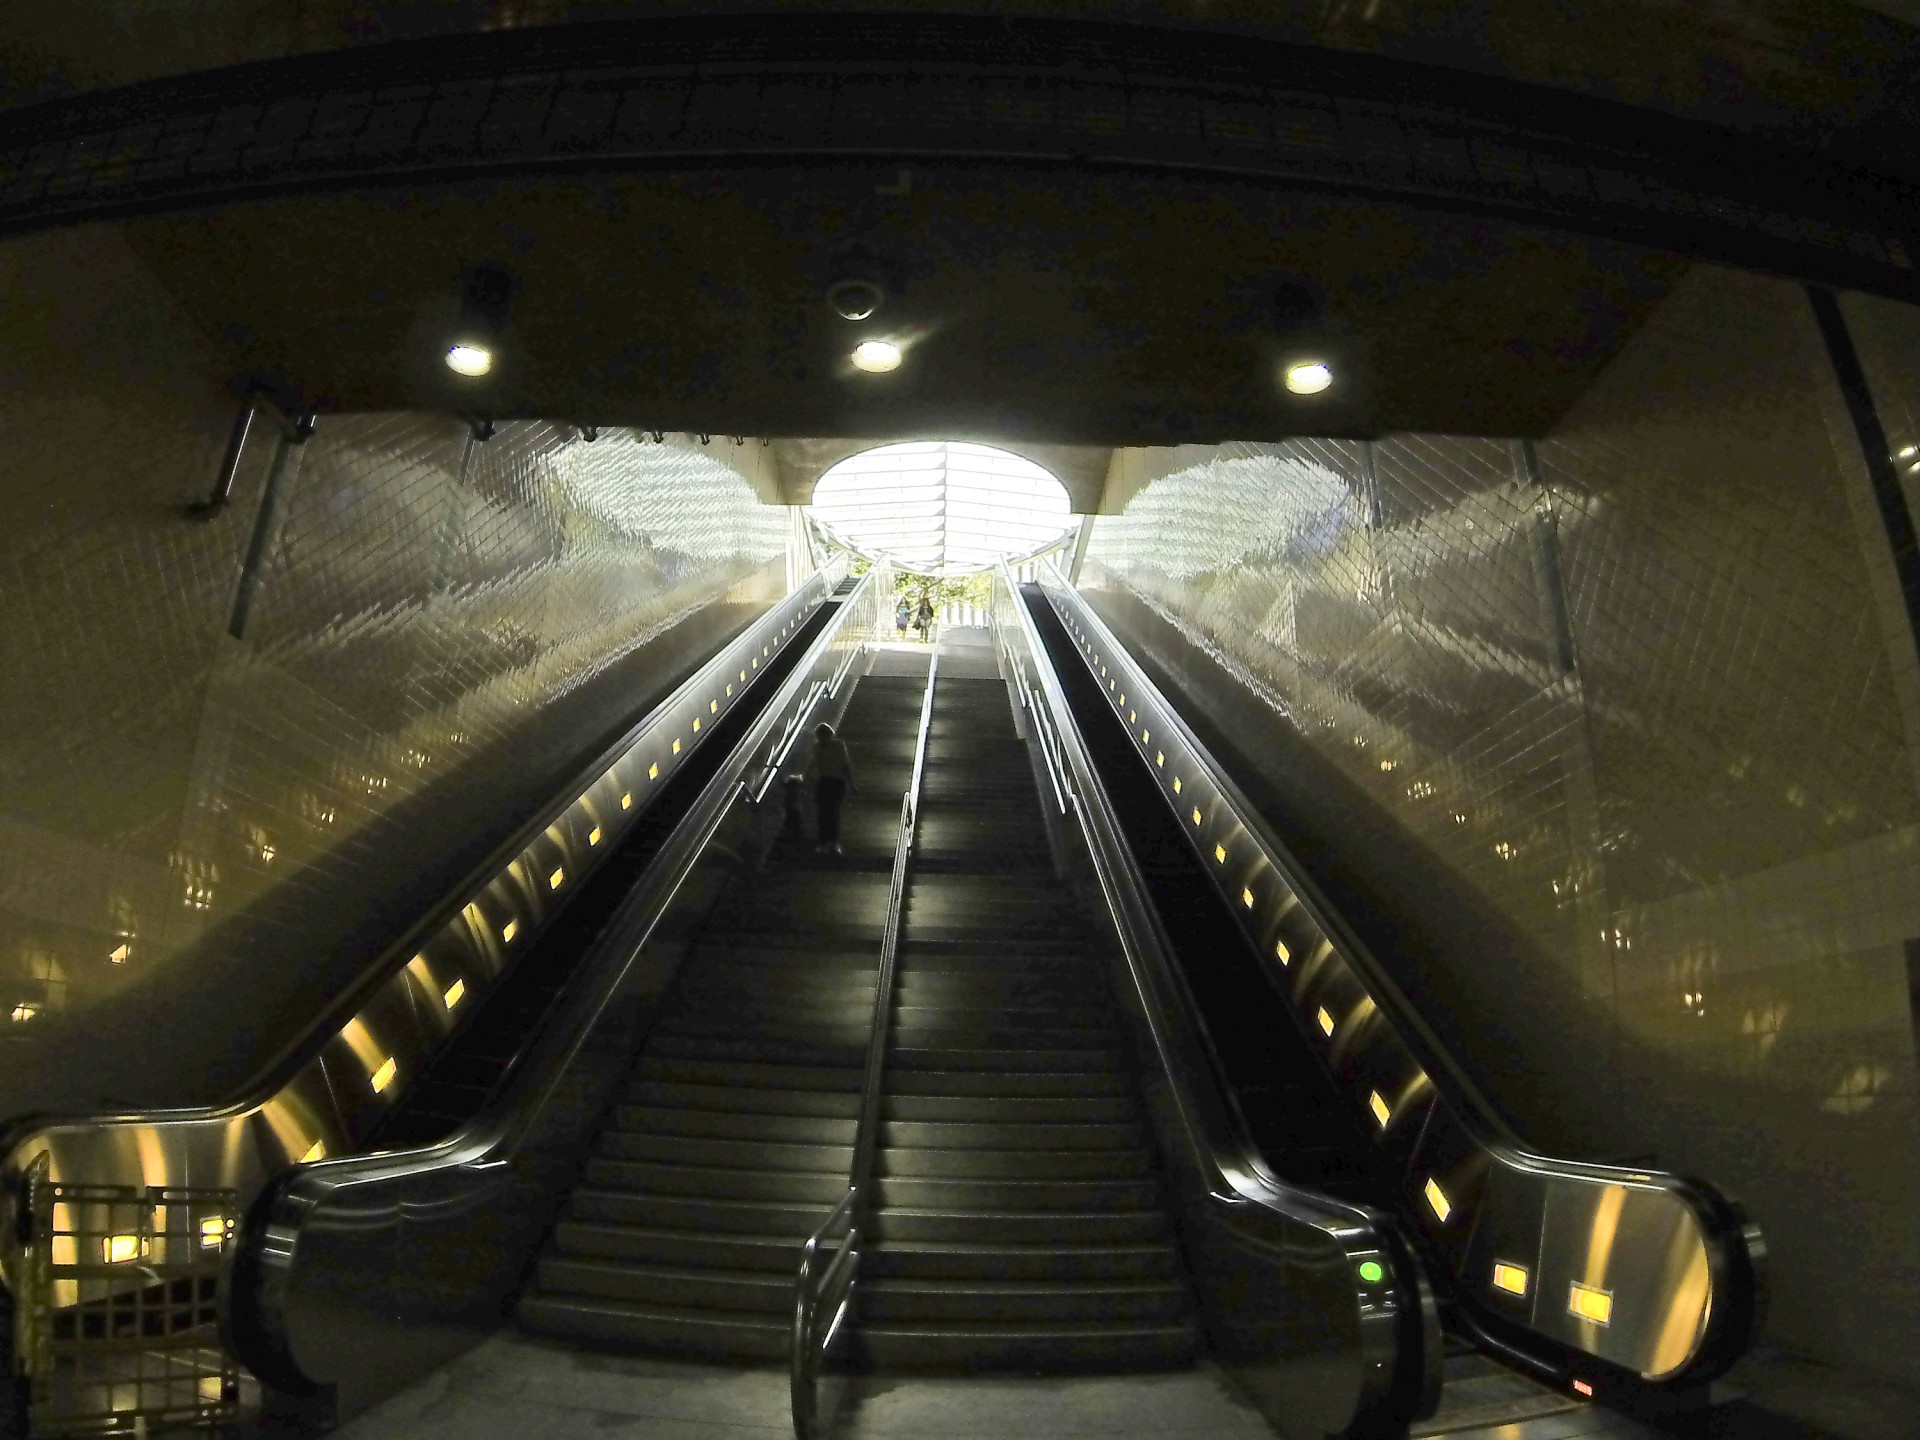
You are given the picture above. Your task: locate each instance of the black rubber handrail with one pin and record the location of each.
(830, 1290)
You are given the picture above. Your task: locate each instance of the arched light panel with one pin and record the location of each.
(942, 507)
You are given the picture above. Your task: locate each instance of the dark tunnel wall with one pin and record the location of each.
(1612, 756)
(202, 833)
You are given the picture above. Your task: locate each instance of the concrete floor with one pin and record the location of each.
(516, 1387)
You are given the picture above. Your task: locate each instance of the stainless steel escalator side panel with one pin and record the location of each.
(1318, 1307)
(327, 1089)
(355, 1276)
(1660, 1279)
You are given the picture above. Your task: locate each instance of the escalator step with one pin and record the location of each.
(1041, 1346)
(658, 1328)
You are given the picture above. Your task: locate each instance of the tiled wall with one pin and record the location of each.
(200, 832)
(1611, 742)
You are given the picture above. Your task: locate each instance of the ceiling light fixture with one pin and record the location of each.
(1309, 377)
(469, 359)
(876, 357)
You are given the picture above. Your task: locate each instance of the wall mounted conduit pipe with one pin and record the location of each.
(294, 430)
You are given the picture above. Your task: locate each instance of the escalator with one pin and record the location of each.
(1092, 1145)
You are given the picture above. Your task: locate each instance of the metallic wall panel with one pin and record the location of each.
(1640, 707)
(440, 631)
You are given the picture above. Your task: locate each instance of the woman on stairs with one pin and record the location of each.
(832, 769)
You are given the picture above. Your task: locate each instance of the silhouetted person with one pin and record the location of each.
(832, 779)
(923, 617)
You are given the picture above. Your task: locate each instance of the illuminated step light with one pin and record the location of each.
(315, 1151)
(1325, 1017)
(626, 799)
(1581, 1387)
(696, 724)
(676, 747)
(509, 930)
(765, 650)
(713, 706)
(1437, 1201)
(118, 1249)
(472, 361)
(1196, 814)
(653, 771)
(1372, 1271)
(1382, 1112)
(454, 992)
(1123, 700)
(1587, 1303)
(1309, 377)
(213, 1232)
(383, 1077)
(1246, 898)
(1509, 1277)
(1220, 853)
(743, 677)
(557, 878)
(1111, 684)
(1282, 953)
(876, 357)
(118, 955)
(1176, 784)
(1144, 737)
(593, 836)
(1160, 759)
(755, 662)
(729, 687)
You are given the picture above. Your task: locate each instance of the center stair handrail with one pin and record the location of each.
(829, 1291)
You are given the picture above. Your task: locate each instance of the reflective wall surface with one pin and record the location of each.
(221, 790)
(1610, 742)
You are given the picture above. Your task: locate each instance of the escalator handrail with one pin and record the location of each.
(299, 1053)
(267, 1244)
(1405, 1376)
(810, 1344)
(1735, 1250)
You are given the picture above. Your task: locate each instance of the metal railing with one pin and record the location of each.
(829, 1290)
(1318, 1306)
(1599, 1279)
(355, 1276)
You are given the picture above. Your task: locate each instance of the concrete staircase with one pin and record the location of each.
(1019, 1220)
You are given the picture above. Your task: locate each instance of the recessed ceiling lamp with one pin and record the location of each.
(1309, 377)
(876, 357)
(469, 359)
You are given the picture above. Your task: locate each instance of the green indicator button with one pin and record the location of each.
(1372, 1271)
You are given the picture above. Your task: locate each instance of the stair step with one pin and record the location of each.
(996, 1195)
(691, 1123)
(1004, 1058)
(665, 1245)
(660, 1329)
(703, 1288)
(1042, 1346)
(698, 1212)
(727, 1154)
(1018, 1109)
(1001, 1260)
(743, 1099)
(641, 1177)
(1074, 1084)
(1021, 1227)
(1005, 1135)
(749, 1074)
(1014, 1302)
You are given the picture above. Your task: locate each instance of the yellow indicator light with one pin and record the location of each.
(1437, 1199)
(756, 662)
(1111, 684)
(557, 878)
(118, 955)
(1123, 699)
(593, 836)
(696, 724)
(1176, 784)
(626, 800)
(743, 677)
(1103, 672)
(454, 992)
(1196, 814)
(1144, 737)
(729, 689)
(713, 706)
(676, 746)
(653, 771)
(315, 1151)
(1379, 1107)
(1325, 1019)
(119, 1248)
(1220, 853)
(766, 650)
(1280, 950)
(1510, 1278)
(1246, 898)
(1160, 759)
(213, 1231)
(509, 930)
(383, 1077)
(1588, 1303)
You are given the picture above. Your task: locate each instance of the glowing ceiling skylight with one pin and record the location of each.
(942, 507)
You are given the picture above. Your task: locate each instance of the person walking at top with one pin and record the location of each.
(832, 769)
(902, 617)
(923, 617)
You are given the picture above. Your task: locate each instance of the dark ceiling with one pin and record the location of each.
(1056, 306)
